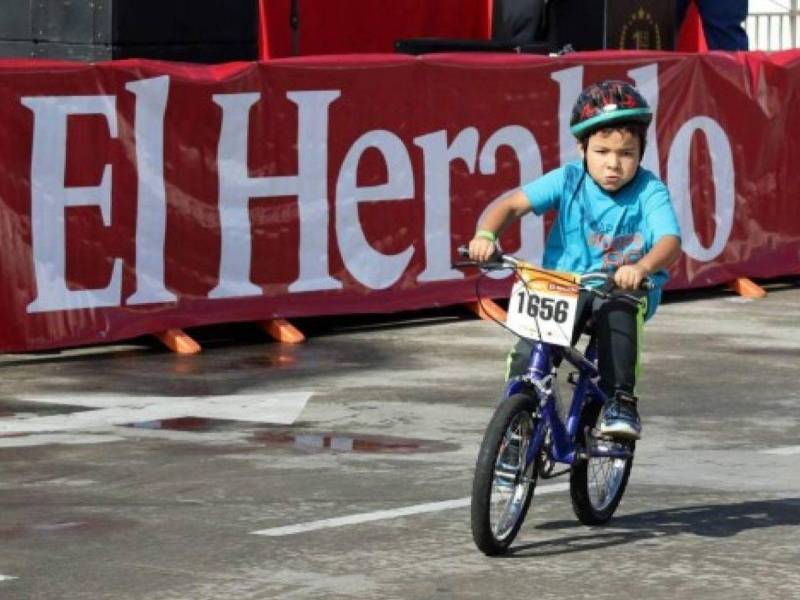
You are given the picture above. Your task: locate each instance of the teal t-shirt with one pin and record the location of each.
(596, 230)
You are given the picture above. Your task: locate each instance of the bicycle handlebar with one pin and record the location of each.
(505, 261)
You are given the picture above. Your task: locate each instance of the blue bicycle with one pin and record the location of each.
(526, 438)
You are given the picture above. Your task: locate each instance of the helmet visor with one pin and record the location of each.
(641, 115)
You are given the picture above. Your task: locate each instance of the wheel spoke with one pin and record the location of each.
(598, 482)
(605, 477)
(504, 480)
(511, 482)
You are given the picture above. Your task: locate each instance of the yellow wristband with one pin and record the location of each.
(486, 234)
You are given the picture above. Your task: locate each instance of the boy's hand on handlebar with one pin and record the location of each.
(481, 249)
(630, 277)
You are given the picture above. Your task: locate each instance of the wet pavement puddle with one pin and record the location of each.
(301, 440)
(261, 430)
(345, 442)
(195, 424)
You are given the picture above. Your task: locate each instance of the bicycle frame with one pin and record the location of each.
(540, 377)
(539, 381)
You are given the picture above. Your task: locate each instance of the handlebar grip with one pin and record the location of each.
(496, 257)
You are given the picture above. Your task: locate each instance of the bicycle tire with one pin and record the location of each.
(494, 536)
(598, 506)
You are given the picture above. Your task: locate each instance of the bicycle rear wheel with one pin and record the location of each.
(503, 484)
(597, 484)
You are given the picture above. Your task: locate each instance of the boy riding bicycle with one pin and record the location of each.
(618, 219)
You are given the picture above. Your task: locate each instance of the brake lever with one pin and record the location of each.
(609, 290)
(487, 266)
(609, 286)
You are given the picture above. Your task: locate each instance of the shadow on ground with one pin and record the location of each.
(712, 520)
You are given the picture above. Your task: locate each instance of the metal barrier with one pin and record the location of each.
(775, 27)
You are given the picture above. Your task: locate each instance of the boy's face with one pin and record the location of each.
(612, 157)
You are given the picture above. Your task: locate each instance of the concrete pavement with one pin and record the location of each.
(132, 473)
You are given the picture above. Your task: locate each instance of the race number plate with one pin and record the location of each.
(543, 309)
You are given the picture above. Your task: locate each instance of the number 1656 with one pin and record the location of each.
(546, 309)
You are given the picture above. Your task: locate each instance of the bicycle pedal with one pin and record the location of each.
(594, 434)
(596, 439)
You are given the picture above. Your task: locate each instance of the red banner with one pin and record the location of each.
(141, 196)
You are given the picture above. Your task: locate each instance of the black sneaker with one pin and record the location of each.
(620, 417)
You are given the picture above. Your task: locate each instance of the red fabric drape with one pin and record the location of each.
(365, 26)
(691, 37)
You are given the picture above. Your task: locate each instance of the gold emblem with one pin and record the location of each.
(640, 32)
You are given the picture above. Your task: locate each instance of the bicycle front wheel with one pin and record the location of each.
(598, 483)
(504, 482)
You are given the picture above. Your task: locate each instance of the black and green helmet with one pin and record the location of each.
(605, 104)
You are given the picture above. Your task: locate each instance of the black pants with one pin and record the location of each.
(616, 325)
